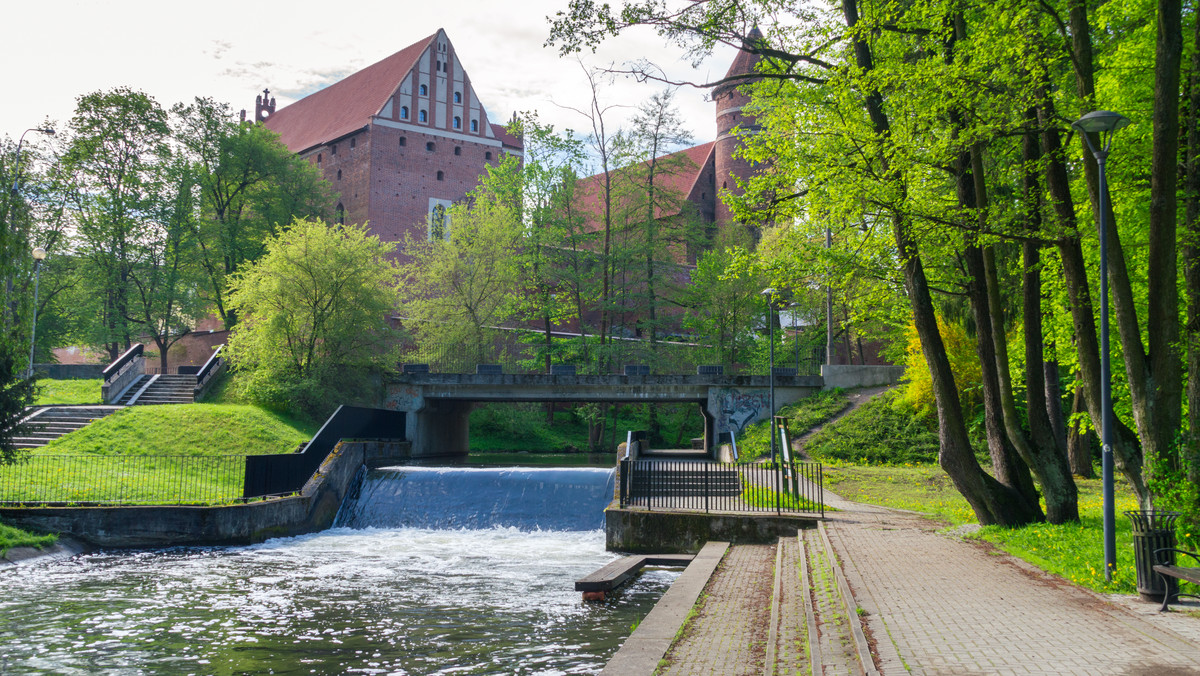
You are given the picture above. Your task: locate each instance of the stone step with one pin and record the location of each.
(833, 646)
(791, 611)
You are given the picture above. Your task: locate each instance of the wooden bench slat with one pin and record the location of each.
(1180, 572)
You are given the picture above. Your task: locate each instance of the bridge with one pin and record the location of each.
(437, 406)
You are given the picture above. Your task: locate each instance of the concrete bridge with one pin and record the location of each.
(438, 405)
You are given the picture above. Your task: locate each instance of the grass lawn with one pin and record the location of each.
(15, 537)
(60, 392)
(1073, 551)
(176, 454)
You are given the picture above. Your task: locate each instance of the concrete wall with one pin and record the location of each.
(69, 371)
(159, 526)
(641, 531)
(850, 377)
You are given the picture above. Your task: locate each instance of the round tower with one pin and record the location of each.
(732, 124)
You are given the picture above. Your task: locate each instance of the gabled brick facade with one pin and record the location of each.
(397, 139)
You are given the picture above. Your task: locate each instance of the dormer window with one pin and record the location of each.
(423, 90)
(403, 112)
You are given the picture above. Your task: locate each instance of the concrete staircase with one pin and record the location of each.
(47, 424)
(160, 389)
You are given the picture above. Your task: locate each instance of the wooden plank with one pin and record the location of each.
(1189, 574)
(620, 571)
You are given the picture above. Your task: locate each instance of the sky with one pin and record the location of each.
(230, 50)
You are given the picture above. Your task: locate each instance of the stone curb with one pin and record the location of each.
(863, 649)
(642, 651)
(64, 548)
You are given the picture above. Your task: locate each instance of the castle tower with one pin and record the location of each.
(733, 123)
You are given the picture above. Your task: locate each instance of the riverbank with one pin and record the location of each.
(63, 548)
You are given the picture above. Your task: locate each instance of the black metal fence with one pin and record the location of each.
(123, 480)
(517, 352)
(779, 488)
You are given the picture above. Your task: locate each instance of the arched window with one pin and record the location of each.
(333, 149)
(457, 122)
(403, 112)
(422, 116)
(403, 141)
(423, 90)
(474, 125)
(458, 97)
(429, 146)
(487, 155)
(339, 174)
(339, 214)
(458, 150)
(318, 159)
(441, 176)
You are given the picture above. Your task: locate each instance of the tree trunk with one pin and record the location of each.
(1191, 265)
(992, 502)
(1054, 409)
(1127, 453)
(1079, 441)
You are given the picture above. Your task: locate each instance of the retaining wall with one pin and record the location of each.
(69, 371)
(850, 377)
(312, 510)
(645, 532)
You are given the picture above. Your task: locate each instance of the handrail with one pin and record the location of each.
(119, 365)
(211, 364)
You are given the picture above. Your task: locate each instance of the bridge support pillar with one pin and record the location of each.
(442, 429)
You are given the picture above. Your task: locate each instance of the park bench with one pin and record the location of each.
(1178, 572)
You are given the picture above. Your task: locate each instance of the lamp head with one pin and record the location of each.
(39, 254)
(47, 130)
(1105, 123)
(769, 291)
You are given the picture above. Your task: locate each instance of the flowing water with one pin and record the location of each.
(434, 572)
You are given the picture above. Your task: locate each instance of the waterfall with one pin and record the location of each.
(445, 498)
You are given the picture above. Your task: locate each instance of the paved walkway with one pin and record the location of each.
(935, 604)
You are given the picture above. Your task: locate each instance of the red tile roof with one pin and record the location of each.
(346, 105)
(589, 191)
(505, 138)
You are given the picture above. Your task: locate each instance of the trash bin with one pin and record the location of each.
(1153, 530)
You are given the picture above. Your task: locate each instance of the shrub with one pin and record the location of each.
(883, 431)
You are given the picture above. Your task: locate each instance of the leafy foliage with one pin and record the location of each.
(883, 431)
(317, 304)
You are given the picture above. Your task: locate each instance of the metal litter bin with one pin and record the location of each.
(1153, 530)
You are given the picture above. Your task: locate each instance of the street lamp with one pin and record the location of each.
(767, 293)
(794, 307)
(17, 162)
(39, 255)
(1105, 124)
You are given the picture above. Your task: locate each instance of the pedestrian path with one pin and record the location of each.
(935, 604)
(877, 590)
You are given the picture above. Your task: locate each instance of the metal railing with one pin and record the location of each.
(778, 488)
(123, 480)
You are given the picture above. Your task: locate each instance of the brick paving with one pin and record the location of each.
(727, 637)
(939, 605)
(792, 637)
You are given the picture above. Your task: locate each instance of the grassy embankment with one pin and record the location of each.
(123, 454)
(882, 455)
(63, 392)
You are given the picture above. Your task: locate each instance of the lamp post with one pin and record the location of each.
(12, 203)
(1104, 124)
(39, 255)
(17, 162)
(767, 293)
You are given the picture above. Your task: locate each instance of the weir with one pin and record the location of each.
(450, 498)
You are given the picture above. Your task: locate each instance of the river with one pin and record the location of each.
(436, 571)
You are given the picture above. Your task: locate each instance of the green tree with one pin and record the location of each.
(118, 139)
(458, 288)
(249, 186)
(315, 308)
